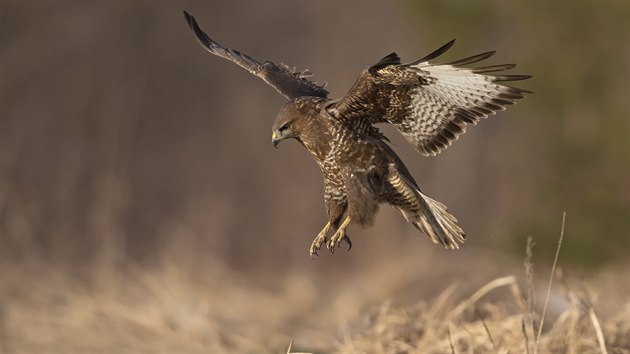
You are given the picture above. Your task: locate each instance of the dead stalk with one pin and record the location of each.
(485, 327)
(497, 283)
(525, 335)
(598, 331)
(553, 270)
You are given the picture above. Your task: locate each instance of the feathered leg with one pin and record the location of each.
(336, 207)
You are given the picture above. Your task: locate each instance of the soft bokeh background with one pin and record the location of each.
(130, 159)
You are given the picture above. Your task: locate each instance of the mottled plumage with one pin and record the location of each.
(429, 104)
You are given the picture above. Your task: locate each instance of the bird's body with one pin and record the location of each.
(344, 155)
(360, 170)
(430, 105)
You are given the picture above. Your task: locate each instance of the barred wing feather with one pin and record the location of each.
(430, 105)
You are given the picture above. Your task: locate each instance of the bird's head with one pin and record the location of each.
(298, 119)
(289, 122)
(284, 127)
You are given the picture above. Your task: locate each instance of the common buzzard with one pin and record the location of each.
(429, 104)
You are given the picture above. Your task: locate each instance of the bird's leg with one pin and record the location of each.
(335, 240)
(319, 240)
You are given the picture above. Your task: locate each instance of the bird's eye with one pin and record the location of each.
(284, 127)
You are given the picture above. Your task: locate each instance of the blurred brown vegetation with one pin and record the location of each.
(130, 158)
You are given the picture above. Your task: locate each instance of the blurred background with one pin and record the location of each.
(141, 200)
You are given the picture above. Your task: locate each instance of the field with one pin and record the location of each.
(183, 307)
(143, 208)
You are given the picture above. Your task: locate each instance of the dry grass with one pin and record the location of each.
(490, 326)
(172, 309)
(504, 326)
(498, 326)
(186, 307)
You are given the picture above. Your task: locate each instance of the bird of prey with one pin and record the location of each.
(429, 104)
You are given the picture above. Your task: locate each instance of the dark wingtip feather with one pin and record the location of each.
(436, 53)
(514, 92)
(472, 59)
(499, 78)
(390, 59)
(201, 36)
(526, 91)
(493, 68)
(190, 20)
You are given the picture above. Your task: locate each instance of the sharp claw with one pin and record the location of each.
(331, 246)
(320, 240)
(349, 243)
(339, 235)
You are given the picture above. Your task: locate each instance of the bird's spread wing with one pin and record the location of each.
(430, 104)
(289, 83)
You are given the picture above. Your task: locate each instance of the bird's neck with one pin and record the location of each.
(316, 138)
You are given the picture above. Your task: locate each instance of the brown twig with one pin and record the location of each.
(553, 270)
(525, 335)
(531, 300)
(529, 274)
(485, 326)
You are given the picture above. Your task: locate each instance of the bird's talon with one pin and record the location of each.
(321, 239)
(348, 242)
(334, 241)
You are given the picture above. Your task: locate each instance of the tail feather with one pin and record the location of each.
(440, 225)
(426, 214)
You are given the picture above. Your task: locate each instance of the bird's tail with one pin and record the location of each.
(426, 214)
(437, 223)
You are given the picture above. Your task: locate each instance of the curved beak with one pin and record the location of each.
(275, 139)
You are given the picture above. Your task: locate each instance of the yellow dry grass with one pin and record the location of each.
(477, 326)
(172, 310)
(205, 306)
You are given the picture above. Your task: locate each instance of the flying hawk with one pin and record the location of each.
(429, 104)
